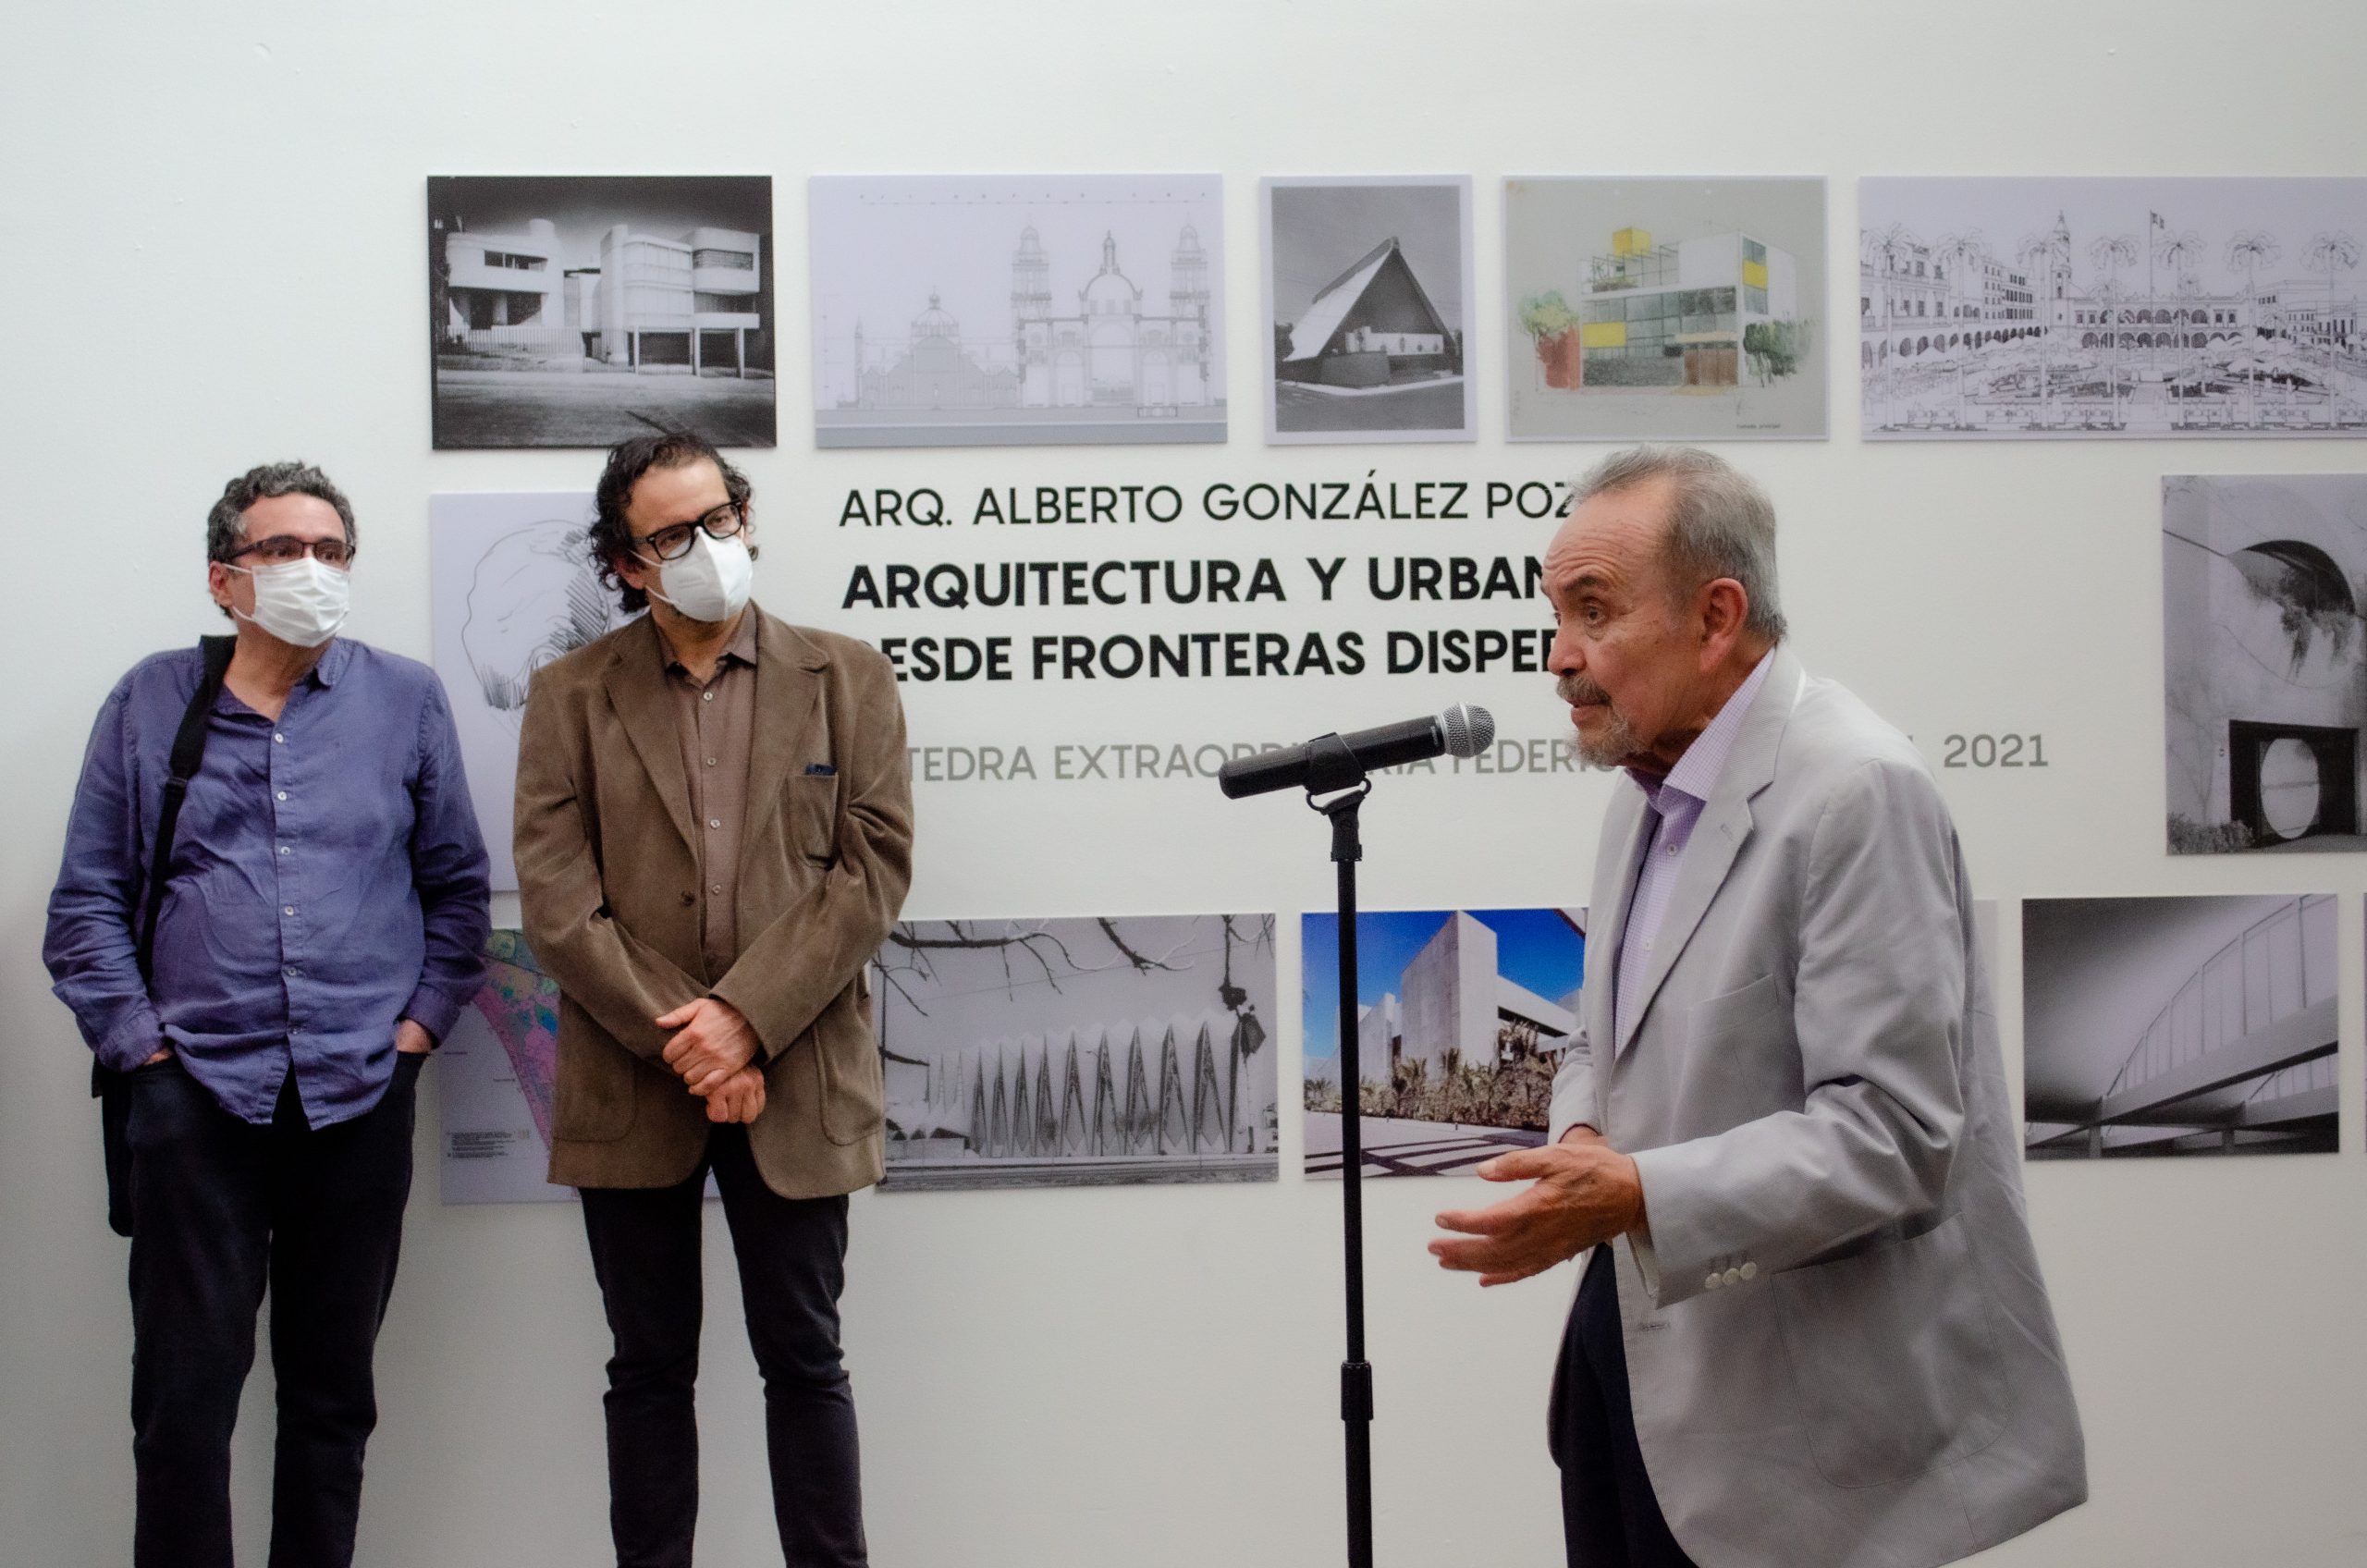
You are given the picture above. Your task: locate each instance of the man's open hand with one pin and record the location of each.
(713, 1040)
(1585, 1192)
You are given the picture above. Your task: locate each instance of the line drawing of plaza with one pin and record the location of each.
(1998, 307)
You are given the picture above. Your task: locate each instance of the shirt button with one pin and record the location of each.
(290, 969)
(277, 738)
(717, 889)
(288, 909)
(283, 794)
(707, 696)
(715, 822)
(283, 848)
(710, 762)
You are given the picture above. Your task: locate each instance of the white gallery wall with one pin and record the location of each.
(215, 257)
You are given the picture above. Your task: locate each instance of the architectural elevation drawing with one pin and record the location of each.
(958, 311)
(2004, 308)
(511, 586)
(1368, 310)
(1078, 1052)
(2194, 1025)
(1463, 1017)
(2265, 660)
(1665, 309)
(576, 312)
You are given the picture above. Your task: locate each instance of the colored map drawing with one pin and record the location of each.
(522, 1004)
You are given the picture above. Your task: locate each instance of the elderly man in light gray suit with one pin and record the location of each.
(1812, 1333)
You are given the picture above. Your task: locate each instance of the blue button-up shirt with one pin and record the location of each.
(327, 881)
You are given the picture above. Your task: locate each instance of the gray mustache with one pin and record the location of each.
(1577, 689)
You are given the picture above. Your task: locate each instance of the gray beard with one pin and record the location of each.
(1618, 741)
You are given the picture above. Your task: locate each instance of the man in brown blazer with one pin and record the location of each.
(714, 834)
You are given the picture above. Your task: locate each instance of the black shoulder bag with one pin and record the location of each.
(113, 1090)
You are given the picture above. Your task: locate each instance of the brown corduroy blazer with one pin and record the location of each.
(607, 878)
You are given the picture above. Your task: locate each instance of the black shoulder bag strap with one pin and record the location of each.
(113, 1089)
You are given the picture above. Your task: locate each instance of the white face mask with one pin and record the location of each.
(709, 581)
(301, 601)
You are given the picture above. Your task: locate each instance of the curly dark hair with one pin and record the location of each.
(225, 523)
(628, 460)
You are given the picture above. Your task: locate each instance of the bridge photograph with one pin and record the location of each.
(2199, 1026)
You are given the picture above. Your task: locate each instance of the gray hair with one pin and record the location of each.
(1720, 522)
(226, 525)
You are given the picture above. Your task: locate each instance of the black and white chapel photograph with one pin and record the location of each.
(1368, 310)
(577, 310)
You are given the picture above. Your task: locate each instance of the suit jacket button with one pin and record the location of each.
(1713, 1282)
(1734, 1276)
(1750, 1271)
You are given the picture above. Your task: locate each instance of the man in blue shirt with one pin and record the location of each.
(322, 924)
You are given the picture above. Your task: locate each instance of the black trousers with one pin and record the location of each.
(791, 1254)
(1610, 1518)
(221, 1209)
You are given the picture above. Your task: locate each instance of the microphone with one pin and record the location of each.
(1336, 762)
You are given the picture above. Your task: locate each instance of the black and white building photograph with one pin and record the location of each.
(959, 311)
(577, 310)
(1368, 310)
(2191, 1026)
(2265, 660)
(1078, 1052)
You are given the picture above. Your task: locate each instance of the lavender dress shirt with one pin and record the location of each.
(1676, 802)
(327, 881)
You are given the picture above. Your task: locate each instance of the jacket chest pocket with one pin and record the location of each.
(810, 816)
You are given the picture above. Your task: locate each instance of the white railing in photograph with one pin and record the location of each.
(2280, 965)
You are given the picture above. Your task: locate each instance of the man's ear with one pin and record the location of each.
(1725, 610)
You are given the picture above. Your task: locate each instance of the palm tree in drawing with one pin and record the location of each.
(2330, 253)
(2248, 252)
(2039, 254)
(1883, 250)
(2108, 253)
(2179, 252)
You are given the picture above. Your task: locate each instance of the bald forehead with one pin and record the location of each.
(1614, 537)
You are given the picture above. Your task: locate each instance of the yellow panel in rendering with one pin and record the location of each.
(1755, 274)
(1603, 335)
(1631, 242)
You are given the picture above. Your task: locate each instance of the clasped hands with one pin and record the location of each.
(713, 1049)
(1584, 1192)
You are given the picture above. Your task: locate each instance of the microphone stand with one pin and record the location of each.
(1333, 772)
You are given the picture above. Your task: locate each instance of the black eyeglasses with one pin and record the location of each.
(673, 542)
(281, 549)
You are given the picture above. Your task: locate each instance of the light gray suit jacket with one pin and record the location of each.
(1839, 1347)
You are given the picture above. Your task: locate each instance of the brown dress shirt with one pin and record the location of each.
(716, 724)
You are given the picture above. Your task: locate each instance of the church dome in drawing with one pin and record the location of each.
(935, 323)
(1029, 245)
(1109, 292)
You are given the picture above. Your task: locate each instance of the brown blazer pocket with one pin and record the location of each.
(813, 814)
(594, 1092)
(853, 1088)
(1895, 1357)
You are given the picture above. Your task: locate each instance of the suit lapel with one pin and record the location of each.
(636, 686)
(788, 687)
(1725, 823)
(1614, 889)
